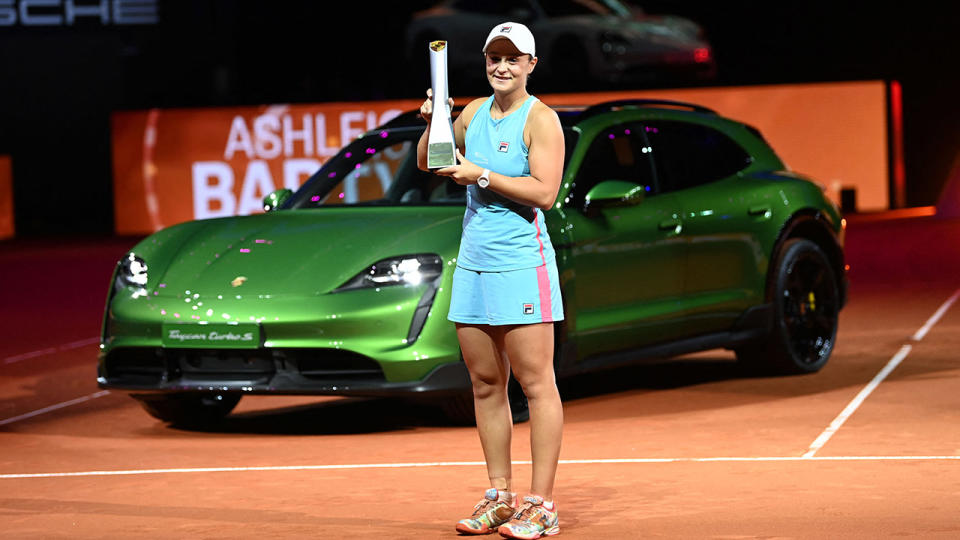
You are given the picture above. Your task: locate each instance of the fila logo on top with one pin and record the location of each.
(504, 146)
(528, 309)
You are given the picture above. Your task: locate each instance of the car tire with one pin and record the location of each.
(188, 408)
(806, 304)
(459, 407)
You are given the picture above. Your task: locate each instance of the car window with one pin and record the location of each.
(617, 153)
(688, 155)
(377, 171)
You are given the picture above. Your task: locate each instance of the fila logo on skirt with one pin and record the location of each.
(528, 309)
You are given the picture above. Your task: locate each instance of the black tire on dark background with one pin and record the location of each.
(188, 408)
(806, 303)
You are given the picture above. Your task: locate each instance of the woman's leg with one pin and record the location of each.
(530, 350)
(489, 373)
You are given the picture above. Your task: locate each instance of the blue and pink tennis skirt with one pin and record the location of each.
(526, 296)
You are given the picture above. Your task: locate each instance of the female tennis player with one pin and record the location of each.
(506, 294)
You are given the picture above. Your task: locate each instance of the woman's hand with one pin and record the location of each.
(465, 173)
(426, 110)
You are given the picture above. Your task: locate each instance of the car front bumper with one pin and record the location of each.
(267, 371)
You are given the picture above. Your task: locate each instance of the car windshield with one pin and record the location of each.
(380, 169)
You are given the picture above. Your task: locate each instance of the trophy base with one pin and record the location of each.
(440, 155)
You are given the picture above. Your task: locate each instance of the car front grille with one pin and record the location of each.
(145, 366)
(223, 364)
(337, 365)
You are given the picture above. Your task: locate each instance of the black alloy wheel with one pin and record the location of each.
(806, 305)
(809, 307)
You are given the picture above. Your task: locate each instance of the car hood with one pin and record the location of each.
(292, 251)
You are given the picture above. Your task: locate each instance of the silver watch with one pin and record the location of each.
(484, 179)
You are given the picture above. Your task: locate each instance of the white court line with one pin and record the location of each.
(95, 395)
(857, 401)
(472, 464)
(50, 350)
(922, 332)
(818, 443)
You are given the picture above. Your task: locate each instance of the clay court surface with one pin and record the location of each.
(688, 449)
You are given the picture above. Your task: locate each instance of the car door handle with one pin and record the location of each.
(670, 225)
(762, 210)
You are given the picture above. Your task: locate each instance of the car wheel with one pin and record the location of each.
(188, 409)
(805, 309)
(459, 407)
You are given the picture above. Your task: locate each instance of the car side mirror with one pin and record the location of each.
(613, 193)
(275, 199)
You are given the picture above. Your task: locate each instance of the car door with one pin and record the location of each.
(725, 268)
(625, 262)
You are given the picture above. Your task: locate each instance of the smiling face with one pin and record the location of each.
(507, 67)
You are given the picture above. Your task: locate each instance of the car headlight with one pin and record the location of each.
(405, 270)
(132, 272)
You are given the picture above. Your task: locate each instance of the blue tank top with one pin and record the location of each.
(500, 234)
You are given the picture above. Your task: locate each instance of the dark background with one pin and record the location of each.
(58, 85)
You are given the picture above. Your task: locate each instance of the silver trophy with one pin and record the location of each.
(441, 149)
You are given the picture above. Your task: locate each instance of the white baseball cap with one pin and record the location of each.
(517, 33)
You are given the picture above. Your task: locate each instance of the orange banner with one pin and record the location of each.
(176, 165)
(6, 198)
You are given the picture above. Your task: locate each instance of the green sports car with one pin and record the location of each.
(676, 230)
